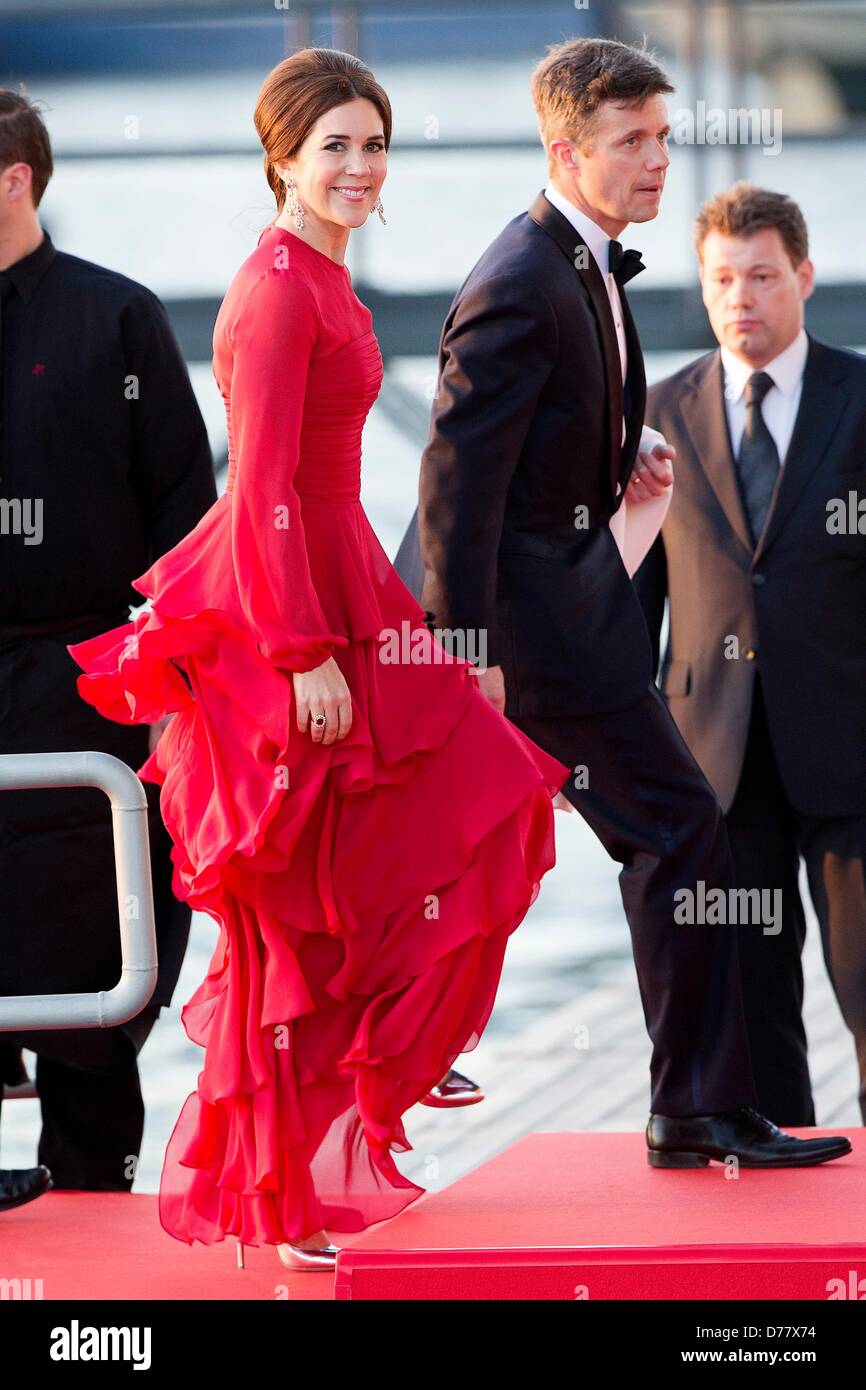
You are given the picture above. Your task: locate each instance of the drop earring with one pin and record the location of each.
(381, 211)
(294, 206)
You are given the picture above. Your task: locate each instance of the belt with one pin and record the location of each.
(12, 632)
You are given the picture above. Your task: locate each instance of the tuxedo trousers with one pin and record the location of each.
(769, 838)
(640, 790)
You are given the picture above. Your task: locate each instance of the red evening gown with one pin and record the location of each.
(364, 891)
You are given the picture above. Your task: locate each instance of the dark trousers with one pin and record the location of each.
(768, 839)
(655, 813)
(92, 1109)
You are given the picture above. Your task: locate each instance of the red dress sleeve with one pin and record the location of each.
(272, 339)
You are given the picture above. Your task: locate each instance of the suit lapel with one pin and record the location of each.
(706, 420)
(573, 246)
(822, 402)
(637, 391)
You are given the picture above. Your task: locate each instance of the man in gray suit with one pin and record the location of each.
(762, 557)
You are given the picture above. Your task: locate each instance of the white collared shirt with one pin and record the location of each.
(781, 403)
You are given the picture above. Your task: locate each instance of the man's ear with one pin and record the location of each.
(806, 278)
(561, 150)
(702, 283)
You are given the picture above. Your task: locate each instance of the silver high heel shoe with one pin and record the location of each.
(296, 1257)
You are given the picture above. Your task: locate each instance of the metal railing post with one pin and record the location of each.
(103, 1008)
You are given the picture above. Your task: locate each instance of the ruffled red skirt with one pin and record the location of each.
(365, 892)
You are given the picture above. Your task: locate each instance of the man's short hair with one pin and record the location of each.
(24, 139)
(745, 209)
(571, 83)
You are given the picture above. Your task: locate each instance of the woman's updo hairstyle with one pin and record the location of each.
(298, 91)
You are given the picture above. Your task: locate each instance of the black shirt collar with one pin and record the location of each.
(26, 273)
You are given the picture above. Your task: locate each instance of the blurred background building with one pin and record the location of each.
(159, 175)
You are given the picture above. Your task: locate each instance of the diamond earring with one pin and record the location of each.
(294, 206)
(381, 211)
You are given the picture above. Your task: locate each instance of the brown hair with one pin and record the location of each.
(570, 84)
(24, 140)
(298, 91)
(745, 209)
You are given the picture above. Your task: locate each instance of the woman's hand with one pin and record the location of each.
(653, 474)
(323, 691)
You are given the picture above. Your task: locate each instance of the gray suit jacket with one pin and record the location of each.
(792, 608)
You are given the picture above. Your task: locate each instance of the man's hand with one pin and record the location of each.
(653, 473)
(491, 683)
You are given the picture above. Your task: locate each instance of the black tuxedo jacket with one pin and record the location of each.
(518, 479)
(796, 603)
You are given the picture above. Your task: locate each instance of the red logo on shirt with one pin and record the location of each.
(38, 369)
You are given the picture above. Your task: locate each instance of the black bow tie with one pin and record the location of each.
(623, 265)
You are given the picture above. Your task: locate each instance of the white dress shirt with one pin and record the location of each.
(781, 403)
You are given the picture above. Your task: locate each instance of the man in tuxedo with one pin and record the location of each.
(763, 558)
(534, 437)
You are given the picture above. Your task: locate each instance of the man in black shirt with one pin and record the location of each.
(104, 466)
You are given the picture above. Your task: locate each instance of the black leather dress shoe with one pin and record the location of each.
(690, 1141)
(454, 1090)
(20, 1185)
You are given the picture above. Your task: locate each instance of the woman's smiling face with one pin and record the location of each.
(342, 164)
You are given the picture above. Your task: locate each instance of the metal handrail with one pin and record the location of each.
(100, 1009)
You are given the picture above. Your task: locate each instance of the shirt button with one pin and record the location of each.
(759, 579)
(750, 653)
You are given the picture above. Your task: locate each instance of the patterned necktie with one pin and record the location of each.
(623, 265)
(758, 459)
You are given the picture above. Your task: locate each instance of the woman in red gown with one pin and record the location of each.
(367, 832)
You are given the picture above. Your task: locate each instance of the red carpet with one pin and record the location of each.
(582, 1215)
(556, 1216)
(94, 1245)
